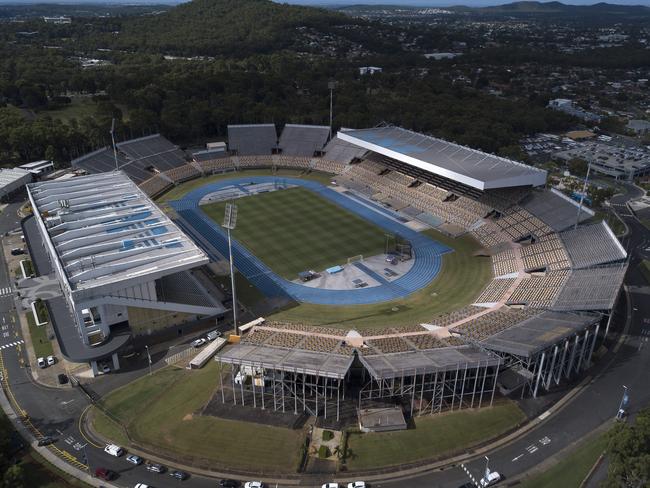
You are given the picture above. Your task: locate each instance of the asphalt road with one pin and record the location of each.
(56, 412)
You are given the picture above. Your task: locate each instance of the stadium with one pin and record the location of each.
(392, 268)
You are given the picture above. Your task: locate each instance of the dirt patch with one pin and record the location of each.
(189, 416)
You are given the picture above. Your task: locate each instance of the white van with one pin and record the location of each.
(114, 450)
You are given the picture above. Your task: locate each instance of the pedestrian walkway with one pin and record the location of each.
(12, 344)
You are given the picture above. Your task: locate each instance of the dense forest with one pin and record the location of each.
(243, 61)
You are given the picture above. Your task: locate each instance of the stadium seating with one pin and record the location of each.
(456, 315)
(547, 252)
(504, 263)
(303, 140)
(495, 290)
(493, 322)
(389, 345)
(155, 185)
(252, 139)
(591, 245)
(216, 165)
(153, 150)
(183, 173)
(539, 291)
(341, 151)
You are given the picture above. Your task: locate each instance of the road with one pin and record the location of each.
(56, 412)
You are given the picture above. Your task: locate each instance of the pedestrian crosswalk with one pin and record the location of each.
(5, 291)
(12, 344)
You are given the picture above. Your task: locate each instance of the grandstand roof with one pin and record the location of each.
(591, 289)
(303, 140)
(12, 179)
(105, 232)
(591, 245)
(539, 332)
(252, 139)
(459, 163)
(426, 361)
(555, 209)
(310, 362)
(153, 150)
(342, 151)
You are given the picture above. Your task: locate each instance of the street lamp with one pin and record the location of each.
(149, 358)
(582, 196)
(625, 399)
(229, 223)
(487, 468)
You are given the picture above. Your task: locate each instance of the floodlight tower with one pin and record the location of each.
(114, 147)
(582, 196)
(229, 223)
(331, 85)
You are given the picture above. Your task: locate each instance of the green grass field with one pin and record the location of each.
(461, 279)
(161, 412)
(40, 341)
(573, 468)
(433, 437)
(296, 230)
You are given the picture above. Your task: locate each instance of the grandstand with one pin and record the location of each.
(252, 139)
(525, 320)
(303, 140)
(116, 256)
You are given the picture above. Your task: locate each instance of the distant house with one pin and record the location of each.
(369, 70)
(59, 19)
(569, 107)
(639, 127)
(439, 56)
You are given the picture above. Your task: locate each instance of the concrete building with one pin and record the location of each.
(569, 107)
(13, 180)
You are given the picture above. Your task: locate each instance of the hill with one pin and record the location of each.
(225, 27)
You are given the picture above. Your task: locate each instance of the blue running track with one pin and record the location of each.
(427, 253)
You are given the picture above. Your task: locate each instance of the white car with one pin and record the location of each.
(133, 459)
(330, 485)
(106, 368)
(357, 484)
(490, 479)
(51, 360)
(198, 342)
(142, 485)
(114, 450)
(253, 484)
(41, 363)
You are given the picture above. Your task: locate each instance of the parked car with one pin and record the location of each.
(357, 484)
(51, 360)
(198, 342)
(490, 479)
(179, 475)
(330, 485)
(133, 459)
(213, 334)
(41, 363)
(114, 450)
(155, 468)
(45, 441)
(142, 485)
(17, 251)
(253, 484)
(105, 474)
(106, 368)
(229, 483)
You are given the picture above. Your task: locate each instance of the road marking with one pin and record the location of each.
(544, 415)
(532, 448)
(11, 344)
(544, 441)
(517, 458)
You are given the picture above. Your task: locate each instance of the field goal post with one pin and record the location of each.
(355, 259)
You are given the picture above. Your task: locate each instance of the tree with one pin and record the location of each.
(14, 477)
(629, 454)
(578, 167)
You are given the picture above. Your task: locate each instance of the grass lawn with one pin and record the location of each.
(38, 472)
(181, 190)
(160, 412)
(433, 437)
(296, 230)
(79, 108)
(40, 341)
(573, 468)
(461, 279)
